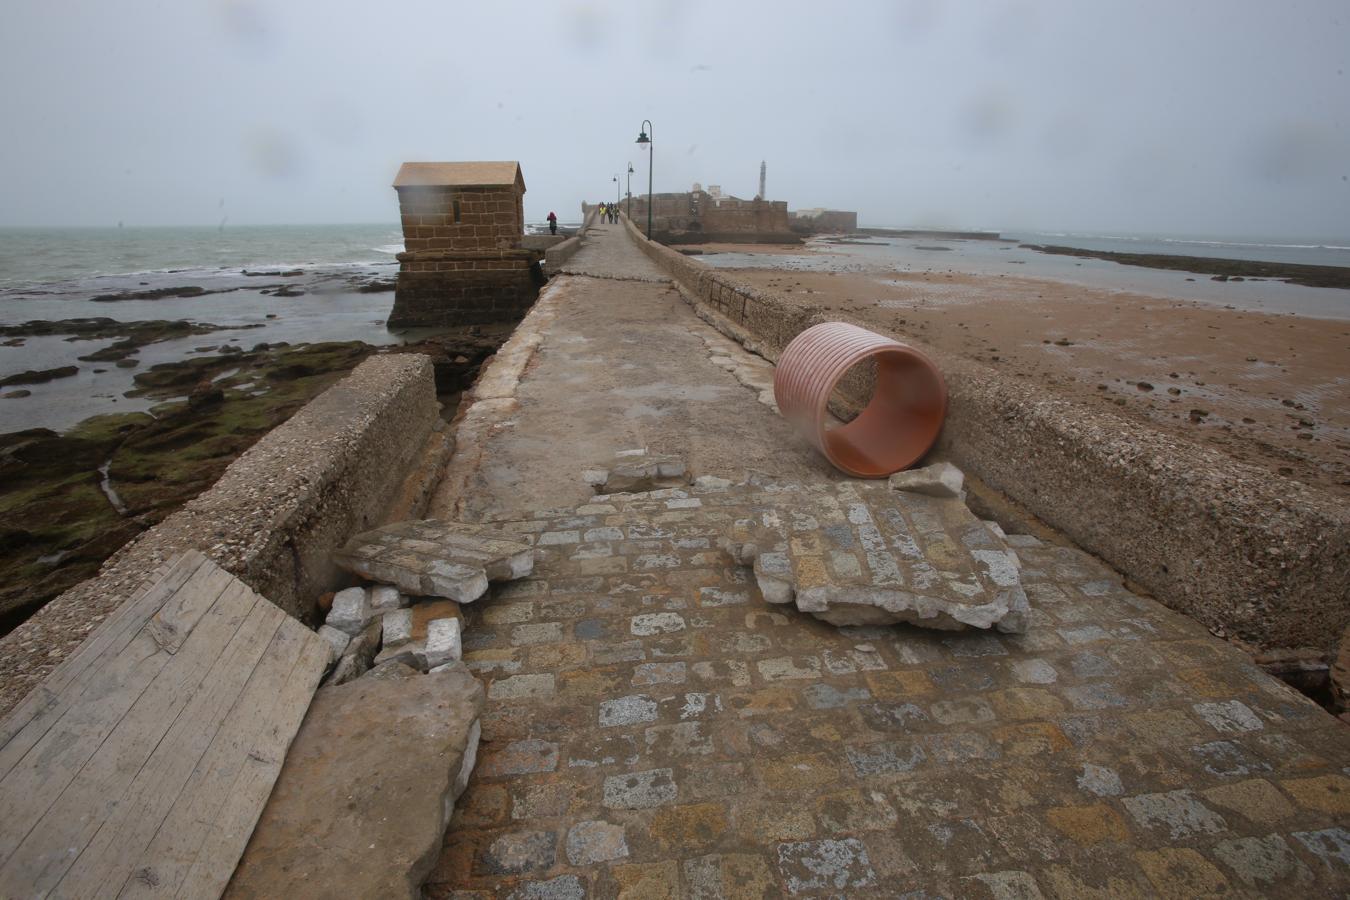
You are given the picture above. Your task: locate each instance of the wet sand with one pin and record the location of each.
(1269, 390)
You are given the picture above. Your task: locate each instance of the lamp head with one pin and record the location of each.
(642, 138)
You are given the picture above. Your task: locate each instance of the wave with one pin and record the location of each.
(389, 248)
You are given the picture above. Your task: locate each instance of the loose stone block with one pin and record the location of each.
(443, 642)
(640, 790)
(439, 559)
(337, 642)
(358, 657)
(398, 627)
(938, 480)
(350, 611)
(384, 598)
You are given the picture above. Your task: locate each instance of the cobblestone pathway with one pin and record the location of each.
(655, 729)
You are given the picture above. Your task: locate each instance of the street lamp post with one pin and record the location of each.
(630, 190)
(615, 179)
(646, 143)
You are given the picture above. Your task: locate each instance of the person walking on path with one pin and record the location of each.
(552, 222)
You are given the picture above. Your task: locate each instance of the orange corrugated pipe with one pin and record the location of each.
(900, 422)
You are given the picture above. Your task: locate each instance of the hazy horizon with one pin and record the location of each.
(1213, 120)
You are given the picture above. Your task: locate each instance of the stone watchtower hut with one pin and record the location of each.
(463, 263)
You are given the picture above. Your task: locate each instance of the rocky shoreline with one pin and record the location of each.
(1219, 269)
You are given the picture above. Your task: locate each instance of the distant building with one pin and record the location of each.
(823, 221)
(463, 263)
(699, 216)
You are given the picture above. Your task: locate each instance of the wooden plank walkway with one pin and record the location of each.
(140, 766)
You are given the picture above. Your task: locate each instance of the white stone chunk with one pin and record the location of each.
(337, 642)
(938, 480)
(398, 627)
(386, 597)
(443, 642)
(351, 611)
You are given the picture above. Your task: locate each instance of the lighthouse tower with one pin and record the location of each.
(763, 167)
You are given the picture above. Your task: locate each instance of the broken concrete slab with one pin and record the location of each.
(857, 553)
(364, 798)
(938, 480)
(438, 559)
(637, 471)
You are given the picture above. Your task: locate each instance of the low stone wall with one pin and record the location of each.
(556, 257)
(272, 519)
(1247, 553)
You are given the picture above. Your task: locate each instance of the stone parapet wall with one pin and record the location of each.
(1247, 553)
(556, 257)
(273, 518)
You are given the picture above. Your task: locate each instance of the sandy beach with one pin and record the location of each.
(1269, 390)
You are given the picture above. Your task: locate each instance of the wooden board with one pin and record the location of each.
(141, 764)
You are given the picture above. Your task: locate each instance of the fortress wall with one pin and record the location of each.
(1247, 553)
(336, 467)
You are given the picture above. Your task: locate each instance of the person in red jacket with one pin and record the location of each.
(552, 223)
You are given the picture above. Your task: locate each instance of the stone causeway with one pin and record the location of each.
(655, 729)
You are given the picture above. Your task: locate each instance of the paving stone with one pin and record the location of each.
(888, 758)
(518, 852)
(1099, 780)
(810, 866)
(732, 875)
(564, 887)
(1231, 717)
(660, 673)
(1177, 814)
(1331, 847)
(648, 881)
(656, 623)
(1325, 793)
(521, 687)
(684, 829)
(537, 633)
(521, 758)
(438, 559)
(594, 842)
(1263, 862)
(1182, 873)
(631, 710)
(640, 790)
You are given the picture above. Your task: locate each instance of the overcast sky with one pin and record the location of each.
(1208, 118)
